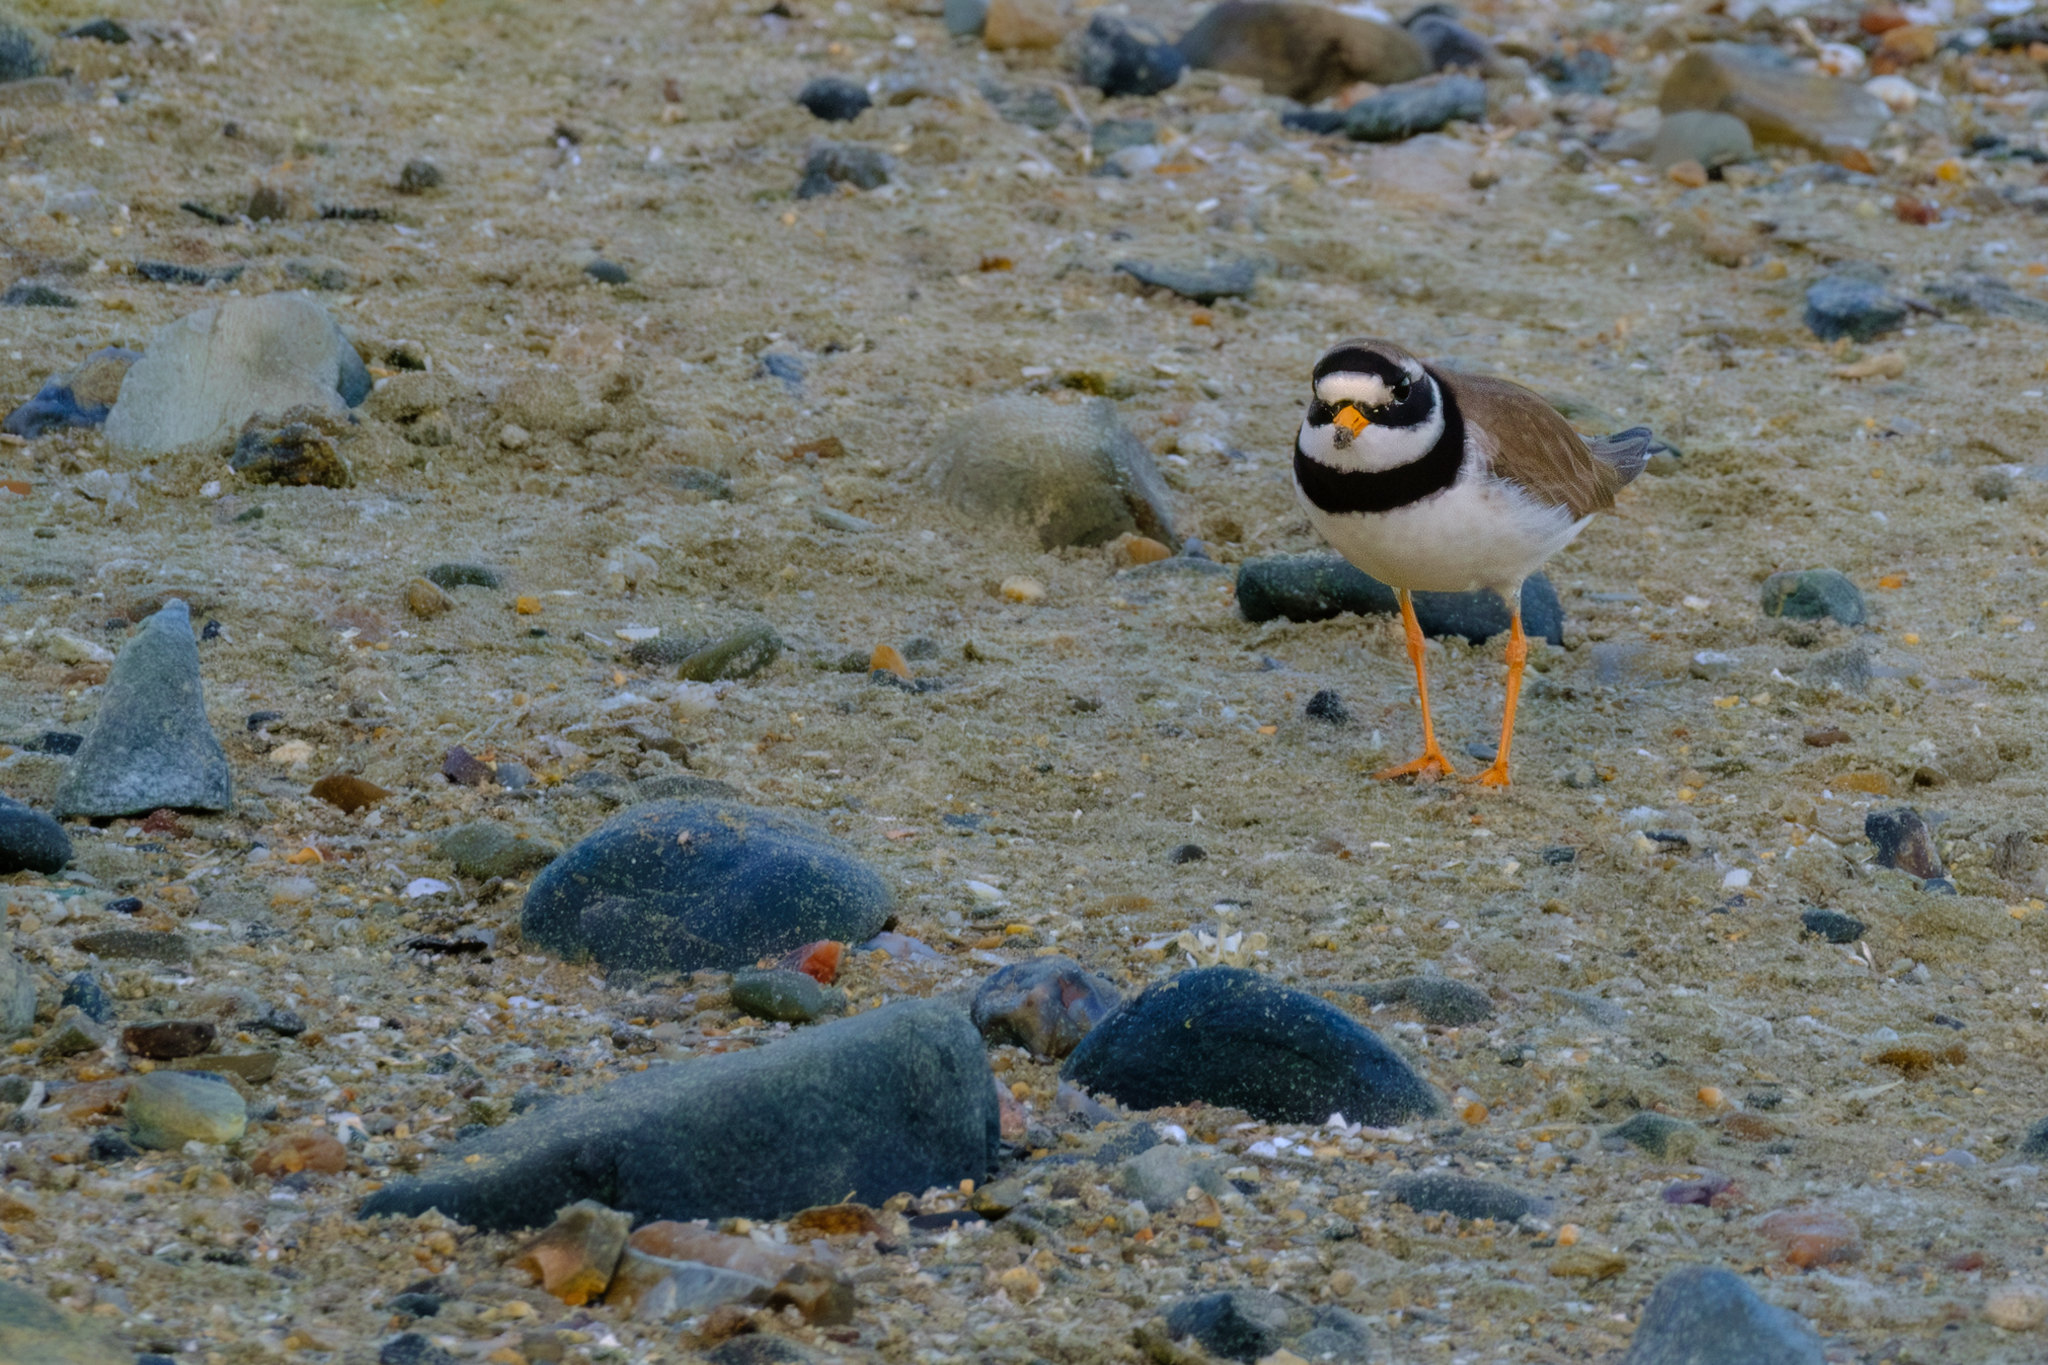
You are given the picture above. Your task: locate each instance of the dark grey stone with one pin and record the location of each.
(1853, 305)
(2035, 1143)
(80, 397)
(30, 841)
(418, 176)
(1704, 1315)
(1250, 1324)
(966, 18)
(1970, 292)
(741, 654)
(1201, 283)
(1230, 1037)
(1126, 57)
(844, 163)
(1112, 135)
(1183, 854)
(759, 1348)
(1315, 587)
(608, 272)
(1421, 106)
(1438, 999)
(464, 576)
(1448, 42)
(413, 1349)
(1832, 925)
(1585, 72)
(893, 1099)
(100, 30)
(21, 51)
(35, 294)
(1810, 594)
(1903, 840)
(1461, 1196)
(682, 886)
(85, 994)
(150, 746)
(1046, 1005)
(834, 99)
(1660, 1135)
(1327, 707)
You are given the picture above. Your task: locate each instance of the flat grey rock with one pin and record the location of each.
(1417, 107)
(1704, 1315)
(150, 746)
(204, 376)
(896, 1099)
(1201, 283)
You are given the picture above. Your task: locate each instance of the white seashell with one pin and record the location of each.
(1840, 59)
(1898, 93)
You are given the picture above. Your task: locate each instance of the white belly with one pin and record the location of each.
(1478, 533)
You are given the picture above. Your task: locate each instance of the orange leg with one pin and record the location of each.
(1518, 654)
(1432, 764)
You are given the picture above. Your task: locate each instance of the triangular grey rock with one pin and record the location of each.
(150, 746)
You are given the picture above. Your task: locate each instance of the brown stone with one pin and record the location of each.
(163, 1042)
(348, 792)
(253, 1067)
(835, 1220)
(135, 945)
(1910, 43)
(1305, 52)
(465, 769)
(888, 659)
(824, 1299)
(1779, 103)
(1813, 1235)
(575, 1257)
(306, 1150)
(674, 1241)
(1130, 549)
(1015, 25)
(425, 600)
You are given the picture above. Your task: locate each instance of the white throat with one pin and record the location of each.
(1376, 448)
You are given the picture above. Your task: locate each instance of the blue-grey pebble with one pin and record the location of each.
(30, 841)
(1704, 1315)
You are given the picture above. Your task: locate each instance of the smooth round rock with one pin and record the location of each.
(1712, 139)
(1227, 1036)
(491, 848)
(204, 376)
(1854, 306)
(783, 996)
(965, 18)
(167, 1109)
(1704, 1315)
(150, 746)
(1252, 1324)
(1046, 1006)
(1126, 57)
(1417, 107)
(1660, 1135)
(1316, 587)
(30, 841)
(1066, 474)
(688, 885)
(1810, 594)
(834, 99)
(1832, 925)
(1461, 1196)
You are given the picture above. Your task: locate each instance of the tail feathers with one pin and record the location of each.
(1626, 452)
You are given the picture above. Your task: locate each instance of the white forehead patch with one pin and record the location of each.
(1368, 390)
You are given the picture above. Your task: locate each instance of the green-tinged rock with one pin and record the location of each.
(34, 1331)
(491, 848)
(783, 996)
(739, 655)
(167, 1109)
(1810, 594)
(1660, 1135)
(150, 746)
(135, 945)
(464, 576)
(17, 991)
(1710, 138)
(1777, 101)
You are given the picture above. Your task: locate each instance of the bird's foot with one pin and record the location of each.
(1495, 775)
(1429, 768)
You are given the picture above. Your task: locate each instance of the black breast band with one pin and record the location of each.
(1338, 491)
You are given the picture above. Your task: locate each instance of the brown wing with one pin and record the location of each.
(1529, 443)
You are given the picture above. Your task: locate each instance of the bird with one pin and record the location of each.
(1435, 480)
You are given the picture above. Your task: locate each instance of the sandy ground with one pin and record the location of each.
(1124, 716)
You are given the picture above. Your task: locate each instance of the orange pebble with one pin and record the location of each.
(1813, 1236)
(1473, 1113)
(1568, 1235)
(819, 961)
(527, 606)
(889, 660)
(1711, 1096)
(306, 855)
(1688, 173)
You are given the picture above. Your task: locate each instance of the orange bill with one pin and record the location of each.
(1351, 420)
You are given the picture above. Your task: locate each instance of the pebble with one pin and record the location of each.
(1183, 854)
(347, 792)
(742, 654)
(426, 601)
(1585, 72)
(1252, 1325)
(1852, 304)
(686, 885)
(1022, 25)
(661, 1289)
(575, 1257)
(1070, 474)
(81, 396)
(170, 1039)
(1045, 1006)
(2035, 1143)
(1202, 284)
(1903, 840)
(204, 376)
(483, 849)
(1126, 57)
(33, 1330)
(1813, 1235)
(30, 841)
(1327, 707)
(167, 1109)
(1316, 587)
(1987, 295)
(418, 176)
(1416, 107)
(1778, 102)
(135, 945)
(411, 1348)
(840, 163)
(1438, 999)
(966, 18)
(1697, 135)
(150, 746)
(1813, 594)
(1113, 135)
(301, 453)
(72, 1032)
(1704, 1315)
(85, 994)
(608, 272)
(2017, 1307)
(465, 769)
(1160, 1177)
(783, 995)
(1450, 44)
(1265, 40)
(1230, 1037)
(33, 294)
(308, 1149)
(1832, 925)
(1660, 1135)
(1461, 1196)
(890, 1100)
(452, 576)
(834, 99)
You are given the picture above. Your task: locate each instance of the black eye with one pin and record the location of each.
(1401, 391)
